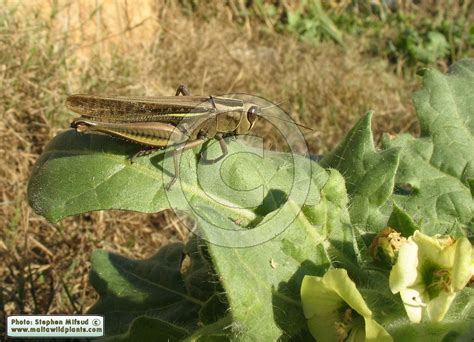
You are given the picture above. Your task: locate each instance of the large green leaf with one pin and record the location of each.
(79, 173)
(262, 282)
(436, 170)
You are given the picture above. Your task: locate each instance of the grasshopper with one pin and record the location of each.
(181, 122)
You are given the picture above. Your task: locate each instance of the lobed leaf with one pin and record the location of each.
(437, 168)
(369, 175)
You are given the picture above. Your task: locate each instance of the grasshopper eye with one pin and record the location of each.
(80, 126)
(252, 114)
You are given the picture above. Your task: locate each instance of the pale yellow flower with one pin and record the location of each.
(429, 272)
(336, 311)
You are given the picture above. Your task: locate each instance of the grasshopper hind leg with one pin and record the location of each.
(176, 155)
(143, 152)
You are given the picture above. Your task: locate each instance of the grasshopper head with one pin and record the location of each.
(252, 114)
(248, 121)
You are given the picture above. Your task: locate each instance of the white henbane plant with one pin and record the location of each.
(253, 293)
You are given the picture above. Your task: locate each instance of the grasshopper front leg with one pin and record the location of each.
(219, 137)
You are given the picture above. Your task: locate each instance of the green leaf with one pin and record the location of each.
(154, 299)
(262, 281)
(402, 222)
(153, 287)
(429, 49)
(370, 175)
(437, 167)
(79, 173)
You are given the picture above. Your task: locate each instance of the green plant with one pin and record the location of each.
(409, 36)
(427, 48)
(317, 217)
(311, 22)
(307, 20)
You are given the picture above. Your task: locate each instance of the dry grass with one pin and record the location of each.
(46, 53)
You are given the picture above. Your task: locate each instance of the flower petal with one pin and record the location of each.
(404, 272)
(413, 303)
(374, 332)
(324, 298)
(435, 248)
(438, 306)
(462, 271)
(318, 299)
(339, 281)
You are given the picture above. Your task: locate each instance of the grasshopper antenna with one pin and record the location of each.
(275, 105)
(276, 117)
(289, 121)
